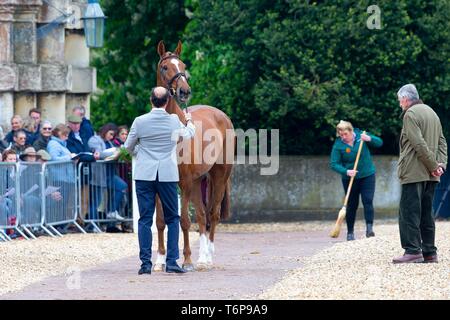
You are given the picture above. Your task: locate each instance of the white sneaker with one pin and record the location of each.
(114, 215)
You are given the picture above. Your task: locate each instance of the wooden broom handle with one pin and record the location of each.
(354, 168)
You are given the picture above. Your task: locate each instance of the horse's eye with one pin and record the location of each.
(165, 68)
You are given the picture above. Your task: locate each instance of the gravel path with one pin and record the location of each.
(25, 262)
(363, 270)
(253, 261)
(246, 263)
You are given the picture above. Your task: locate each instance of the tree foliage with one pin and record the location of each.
(295, 65)
(301, 66)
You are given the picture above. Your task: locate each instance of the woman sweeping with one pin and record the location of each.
(343, 156)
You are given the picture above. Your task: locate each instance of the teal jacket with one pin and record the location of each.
(343, 156)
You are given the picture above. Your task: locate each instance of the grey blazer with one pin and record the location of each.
(153, 139)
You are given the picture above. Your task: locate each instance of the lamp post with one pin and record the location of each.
(94, 24)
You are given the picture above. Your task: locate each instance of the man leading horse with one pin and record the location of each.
(156, 173)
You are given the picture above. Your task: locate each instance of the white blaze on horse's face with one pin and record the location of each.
(176, 63)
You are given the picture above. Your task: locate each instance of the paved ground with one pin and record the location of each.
(245, 265)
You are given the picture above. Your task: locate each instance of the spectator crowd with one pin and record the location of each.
(35, 139)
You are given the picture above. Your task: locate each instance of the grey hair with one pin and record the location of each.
(81, 108)
(408, 91)
(43, 123)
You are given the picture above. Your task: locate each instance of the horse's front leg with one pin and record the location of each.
(160, 225)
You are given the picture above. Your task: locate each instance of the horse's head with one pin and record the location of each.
(171, 73)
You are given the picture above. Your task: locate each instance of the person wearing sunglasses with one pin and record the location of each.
(44, 136)
(20, 141)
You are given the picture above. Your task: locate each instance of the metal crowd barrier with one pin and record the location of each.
(56, 193)
(59, 195)
(31, 215)
(105, 193)
(9, 202)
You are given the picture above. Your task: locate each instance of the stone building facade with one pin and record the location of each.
(44, 60)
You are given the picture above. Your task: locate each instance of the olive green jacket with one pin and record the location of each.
(422, 145)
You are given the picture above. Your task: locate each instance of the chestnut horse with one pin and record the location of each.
(216, 169)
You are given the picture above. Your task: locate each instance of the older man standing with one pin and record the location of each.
(423, 159)
(156, 172)
(86, 129)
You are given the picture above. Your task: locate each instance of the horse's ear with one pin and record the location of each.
(178, 49)
(161, 48)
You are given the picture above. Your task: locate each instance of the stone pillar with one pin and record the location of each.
(24, 31)
(53, 107)
(51, 46)
(50, 38)
(29, 77)
(56, 77)
(6, 20)
(73, 100)
(6, 111)
(24, 102)
(8, 75)
(8, 81)
(52, 10)
(76, 52)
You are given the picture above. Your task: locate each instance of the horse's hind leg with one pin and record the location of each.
(200, 216)
(204, 195)
(160, 225)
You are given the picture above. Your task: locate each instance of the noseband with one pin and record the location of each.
(175, 78)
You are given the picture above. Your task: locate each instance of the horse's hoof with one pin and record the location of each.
(189, 267)
(159, 267)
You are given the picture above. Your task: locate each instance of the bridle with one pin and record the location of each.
(172, 91)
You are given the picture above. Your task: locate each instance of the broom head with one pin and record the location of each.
(337, 227)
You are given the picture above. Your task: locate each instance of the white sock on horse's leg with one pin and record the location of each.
(203, 252)
(160, 262)
(211, 250)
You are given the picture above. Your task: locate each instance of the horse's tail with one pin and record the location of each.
(225, 208)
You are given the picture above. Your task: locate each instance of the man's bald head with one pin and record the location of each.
(159, 97)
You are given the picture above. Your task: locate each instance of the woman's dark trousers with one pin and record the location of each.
(366, 188)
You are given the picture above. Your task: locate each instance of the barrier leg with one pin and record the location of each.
(4, 236)
(96, 228)
(55, 231)
(79, 227)
(48, 231)
(28, 232)
(21, 233)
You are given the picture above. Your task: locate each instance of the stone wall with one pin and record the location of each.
(305, 188)
(43, 64)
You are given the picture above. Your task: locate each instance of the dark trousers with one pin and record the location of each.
(366, 188)
(416, 220)
(146, 192)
